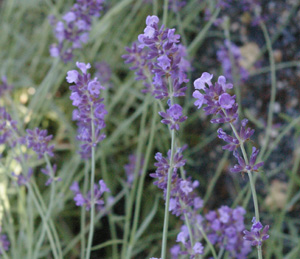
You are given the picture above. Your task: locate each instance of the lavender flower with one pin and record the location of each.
(223, 56)
(85, 200)
(4, 86)
(256, 236)
(38, 140)
(173, 116)
(73, 30)
(157, 57)
(90, 110)
(224, 229)
(23, 179)
(7, 127)
(4, 243)
(50, 172)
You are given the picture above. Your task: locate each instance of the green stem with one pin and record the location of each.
(91, 232)
(83, 212)
(129, 203)
(50, 236)
(166, 217)
(141, 182)
(50, 206)
(211, 247)
(165, 14)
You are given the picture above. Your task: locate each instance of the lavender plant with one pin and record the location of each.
(134, 171)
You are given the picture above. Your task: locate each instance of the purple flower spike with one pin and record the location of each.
(39, 141)
(198, 248)
(256, 236)
(85, 96)
(73, 31)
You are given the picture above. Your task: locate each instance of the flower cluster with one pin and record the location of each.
(224, 228)
(90, 110)
(219, 102)
(38, 141)
(157, 57)
(7, 127)
(256, 236)
(73, 30)
(50, 172)
(223, 56)
(4, 86)
(85, 200)
(183, 196)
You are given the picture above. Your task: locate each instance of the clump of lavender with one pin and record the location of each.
(220, 103)
(90, 111)
(85, 200)
(256, 236)
(223, 55)
(158, 57)
(73, 30)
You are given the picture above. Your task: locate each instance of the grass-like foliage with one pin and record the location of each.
(149, 129)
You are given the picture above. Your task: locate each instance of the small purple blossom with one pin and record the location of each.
(256, 236)
(173, 116)
(130, 168)
(50, 172)
(85, 200)
(4, 86)
(8, 127)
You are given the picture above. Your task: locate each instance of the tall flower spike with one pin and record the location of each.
(73, 31)
(90, 110)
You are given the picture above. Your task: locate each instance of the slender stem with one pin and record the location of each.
(252, 184)
(91, 232)
(141, 182)
(83, 212)
(165, 14)
(166, 217)
(50, 206)
(129, 202)
(50, 236)
(211, 247)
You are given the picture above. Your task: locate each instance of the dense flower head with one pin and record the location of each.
(90, 111)
(224, 229)
(73, 30)
(7, 127)
(85, 200)
(38, 140)
(223, 55)
(158, 57)
(258, 234)
(4, 86)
